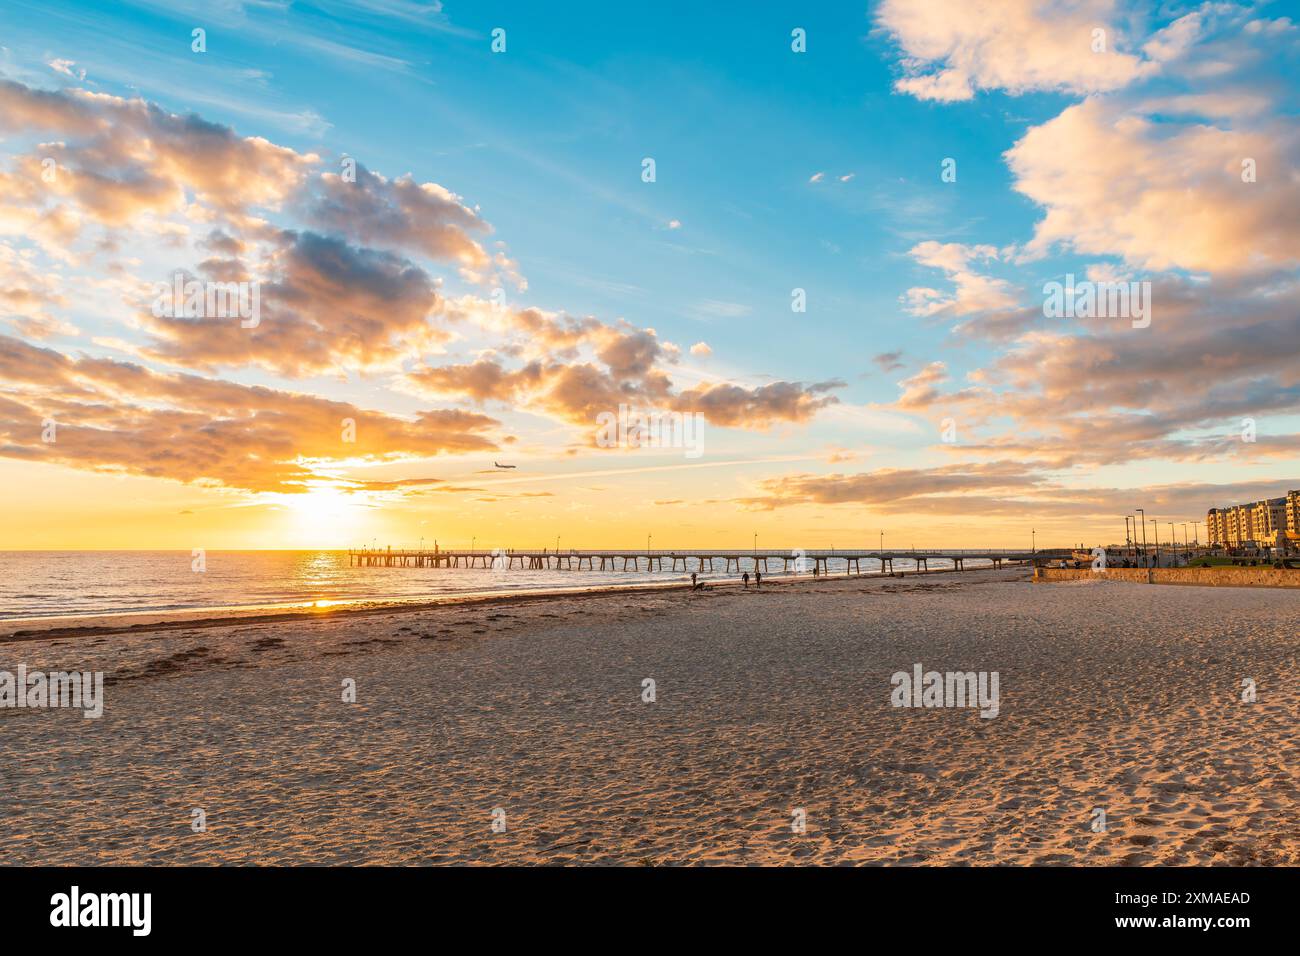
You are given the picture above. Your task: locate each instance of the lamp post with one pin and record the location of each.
(557, 544)
(1033, 540)
(1155, 534)
(1144, 535)
(1127, 539)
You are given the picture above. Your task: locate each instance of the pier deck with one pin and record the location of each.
(816, 561)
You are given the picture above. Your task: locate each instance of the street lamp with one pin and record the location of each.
(1033, 540)
(1144, 535)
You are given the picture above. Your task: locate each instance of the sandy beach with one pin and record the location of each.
(1113, 695)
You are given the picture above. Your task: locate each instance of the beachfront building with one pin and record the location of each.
(1236, 526)
(1224, 526)
(1214, 527)
(1231, 527)
(1270, 523)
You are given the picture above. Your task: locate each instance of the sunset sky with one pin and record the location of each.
(498, 272)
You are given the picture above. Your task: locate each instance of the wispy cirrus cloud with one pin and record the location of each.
(1013, 490)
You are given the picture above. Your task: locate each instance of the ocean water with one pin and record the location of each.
(46, 584)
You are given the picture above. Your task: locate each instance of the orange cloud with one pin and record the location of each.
(119, 158)
(124, 417)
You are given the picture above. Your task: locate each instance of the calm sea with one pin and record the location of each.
(68, 583)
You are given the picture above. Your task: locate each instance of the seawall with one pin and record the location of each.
(1257, 577)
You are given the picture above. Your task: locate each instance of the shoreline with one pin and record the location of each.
(16, 630)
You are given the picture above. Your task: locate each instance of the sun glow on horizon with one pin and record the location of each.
(326, 514)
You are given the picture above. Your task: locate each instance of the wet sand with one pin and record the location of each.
(1113, 695)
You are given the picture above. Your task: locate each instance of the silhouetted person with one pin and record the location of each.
(758, 579)
(745, 577)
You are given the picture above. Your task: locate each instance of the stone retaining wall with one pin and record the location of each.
(1259, 577)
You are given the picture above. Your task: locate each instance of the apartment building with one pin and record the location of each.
(1270, 523)
(1239, 526)
(1267, 520)
(1214, 527)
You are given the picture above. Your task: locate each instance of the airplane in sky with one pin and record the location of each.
(499, 465)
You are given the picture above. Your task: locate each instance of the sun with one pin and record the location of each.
(325, 517)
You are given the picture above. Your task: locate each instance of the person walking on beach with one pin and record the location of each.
(758, 578)
(745, 577)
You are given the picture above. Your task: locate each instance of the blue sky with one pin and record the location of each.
(548, 138)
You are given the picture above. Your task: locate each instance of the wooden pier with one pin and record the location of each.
(785, 561)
